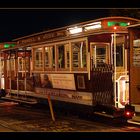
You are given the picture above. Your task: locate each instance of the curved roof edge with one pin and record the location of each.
(134, 25)
(79, 23)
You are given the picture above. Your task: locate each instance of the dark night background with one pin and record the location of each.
(18, 22)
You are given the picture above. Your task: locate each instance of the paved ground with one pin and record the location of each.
(15, 118)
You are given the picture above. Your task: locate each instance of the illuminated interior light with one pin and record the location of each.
(39, 49)
(75, 30)
(128, 23)
(94, 25)
(115, 27)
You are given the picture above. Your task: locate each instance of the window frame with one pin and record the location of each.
(55, 45)
(120, 41)
(50, 68)
(86, 43)
(100, 45)
(34, 59)
(65, 56)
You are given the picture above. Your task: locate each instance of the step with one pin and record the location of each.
(133, 122)
(137, 107)
(20, 100)
(136, 118)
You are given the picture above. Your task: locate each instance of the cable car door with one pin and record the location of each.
(17, 71)
(25, 82)
(101, 74)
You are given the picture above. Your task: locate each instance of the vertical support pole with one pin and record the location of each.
(0, 71)
(25, 69)
(126, 75)
(111, 49)
(115, 69)
(81, 54)
(88, 65)
(56, 56)
(95, 62)
(9, 74)
(51, 108)
(70, 54)
(17, 71)
(5, 71)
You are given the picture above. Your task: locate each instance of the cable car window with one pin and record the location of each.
(49, 57)
(38, 61)
(21, 64)
(119, 55)
(79, 54)
(63, 55)
(101, 55)
(67, 56)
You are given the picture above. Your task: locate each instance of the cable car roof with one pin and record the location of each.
(137, 25)
(80, 24)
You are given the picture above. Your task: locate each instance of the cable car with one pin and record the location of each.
(84, 65)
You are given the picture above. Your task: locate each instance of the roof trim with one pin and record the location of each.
(79, 23)
(134, 25)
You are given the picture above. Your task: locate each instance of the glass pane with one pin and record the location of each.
(38, 58)
(79, 54)
(27, 59)
(21, 64)
(67, 56)
(119, 55)
(46, 57)
(83, 48)
(8, 65)
(101, 55)
(49, 57)
(61, 56)
(53, 56)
